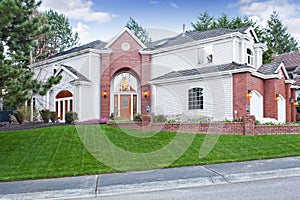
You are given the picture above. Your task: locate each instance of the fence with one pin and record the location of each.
(4, 115)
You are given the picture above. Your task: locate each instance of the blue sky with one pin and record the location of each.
(103, 19)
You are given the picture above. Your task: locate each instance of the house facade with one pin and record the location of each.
(216, 73)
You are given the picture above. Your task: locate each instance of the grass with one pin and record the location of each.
(69, 150)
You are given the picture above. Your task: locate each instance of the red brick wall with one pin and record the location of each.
(120, 60)
(232, 128)
(243, 82)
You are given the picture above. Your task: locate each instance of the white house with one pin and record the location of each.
(216, 73)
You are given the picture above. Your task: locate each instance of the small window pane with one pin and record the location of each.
(195, 98)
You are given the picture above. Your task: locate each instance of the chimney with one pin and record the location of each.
(183, 30)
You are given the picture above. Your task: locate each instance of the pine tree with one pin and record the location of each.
(19, 29)
(205, 22)
(138, 30)
(277, 38)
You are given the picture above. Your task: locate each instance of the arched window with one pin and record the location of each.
(125, 82)
(195, 96)
(249, 57)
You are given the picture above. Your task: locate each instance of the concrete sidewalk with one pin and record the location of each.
(89, 187)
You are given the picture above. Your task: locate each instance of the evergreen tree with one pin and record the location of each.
(19, 29)
(205, 22)
(138, 30)
(277, 38)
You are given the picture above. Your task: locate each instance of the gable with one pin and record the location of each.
(251, 33)
(126, 40)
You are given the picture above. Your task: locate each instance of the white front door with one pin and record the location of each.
(256, 105)
(281, 106)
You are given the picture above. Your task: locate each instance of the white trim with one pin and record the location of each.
(281, 66)
(130, 33)
(66, 70)
(198, 42)
(70, 55)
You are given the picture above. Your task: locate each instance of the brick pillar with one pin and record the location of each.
(249, 125)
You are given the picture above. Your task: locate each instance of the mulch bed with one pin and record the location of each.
(27, 125)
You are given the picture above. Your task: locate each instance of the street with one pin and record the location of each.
(280, 188)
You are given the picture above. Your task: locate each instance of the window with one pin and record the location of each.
(249, 57)
(195, 98)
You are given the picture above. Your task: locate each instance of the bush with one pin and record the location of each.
(103, 121)
(53, 116)
(137, 117)
(45, 114)
(20, 117)
(71, 117)
(159, 118)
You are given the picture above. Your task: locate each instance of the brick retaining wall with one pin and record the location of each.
(247, 127)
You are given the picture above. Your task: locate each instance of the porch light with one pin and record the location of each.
(145, 94)
(249, 95)
(296, 103)
(277, 97)
(292, 100)
(104, 94)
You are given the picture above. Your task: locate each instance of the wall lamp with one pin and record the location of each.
(104, 93)
(249, 95)
(277, 97)
(145, 94)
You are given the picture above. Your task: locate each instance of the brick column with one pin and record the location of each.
(249, 125)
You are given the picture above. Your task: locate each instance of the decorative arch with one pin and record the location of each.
(63, 103)
(126, 93)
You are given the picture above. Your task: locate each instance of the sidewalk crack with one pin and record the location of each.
(96, 186)
(217, 173)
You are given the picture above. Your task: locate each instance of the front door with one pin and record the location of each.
(125, 107)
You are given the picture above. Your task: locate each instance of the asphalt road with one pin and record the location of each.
(279, 188)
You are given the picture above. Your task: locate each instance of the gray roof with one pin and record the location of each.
(202, 70)
(269, 69)
(97, 44)
(191, 37)
(76, 73)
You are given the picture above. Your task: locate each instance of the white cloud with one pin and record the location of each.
(84, 32)
(261, 11)
(174, 5)
(154, 2)
(78, 10)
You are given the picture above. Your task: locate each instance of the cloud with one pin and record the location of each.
(154, 2)
(85, 33)
(174, 5)
(261, 11)
(78, 10)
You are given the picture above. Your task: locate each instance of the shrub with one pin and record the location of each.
(103, 121)
(45, 114)
(71, 117)
(159, 118)
(53, 116)
(137, 117)
(20, 117)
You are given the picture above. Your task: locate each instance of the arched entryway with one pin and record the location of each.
(63, 103)
(256, 105)
(125, 101)
(281, 108)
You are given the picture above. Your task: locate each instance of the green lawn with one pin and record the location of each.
(70, 150)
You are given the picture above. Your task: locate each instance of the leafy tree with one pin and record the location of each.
(19, 29)
(138, 30)
(277, 38)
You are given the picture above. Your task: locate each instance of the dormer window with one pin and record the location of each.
(249, 57)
